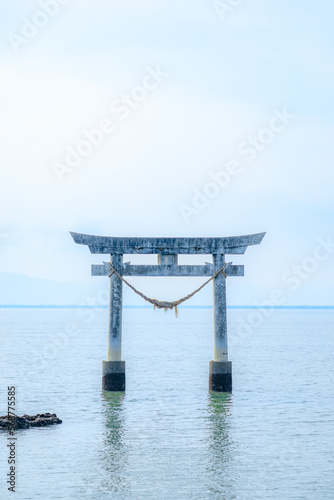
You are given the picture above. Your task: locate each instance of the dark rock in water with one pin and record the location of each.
(26, 421)
(20, 423)
(42, 419)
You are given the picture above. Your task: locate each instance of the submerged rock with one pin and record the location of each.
(26, 421)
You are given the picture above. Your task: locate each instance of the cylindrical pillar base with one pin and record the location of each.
(220, 376)
(113, 375)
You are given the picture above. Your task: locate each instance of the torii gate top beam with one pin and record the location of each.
(167, 246)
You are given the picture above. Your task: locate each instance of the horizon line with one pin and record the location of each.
(75, 306)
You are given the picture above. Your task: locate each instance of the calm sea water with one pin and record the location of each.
(167, 437)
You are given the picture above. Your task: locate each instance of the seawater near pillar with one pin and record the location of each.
(113, 369)
(220, 369)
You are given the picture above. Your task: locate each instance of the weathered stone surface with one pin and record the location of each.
(170, 270)
(113, 376)
(167, 250)
(220, 376)
(167, 246)
(26, 421)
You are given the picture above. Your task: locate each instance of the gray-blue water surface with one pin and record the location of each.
(168, 437)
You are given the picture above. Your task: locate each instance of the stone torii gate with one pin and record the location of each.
(167, 250)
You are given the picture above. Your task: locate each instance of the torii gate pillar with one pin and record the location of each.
(167, 250)
(113, 369)
(220, 369)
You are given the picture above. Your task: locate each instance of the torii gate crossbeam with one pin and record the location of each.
(167, 250)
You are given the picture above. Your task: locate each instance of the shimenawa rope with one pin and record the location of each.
(164, 304)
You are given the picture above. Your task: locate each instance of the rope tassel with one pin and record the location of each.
(164, 304)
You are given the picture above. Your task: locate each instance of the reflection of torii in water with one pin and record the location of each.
(167, 250)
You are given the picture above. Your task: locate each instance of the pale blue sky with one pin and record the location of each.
(226, 77)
